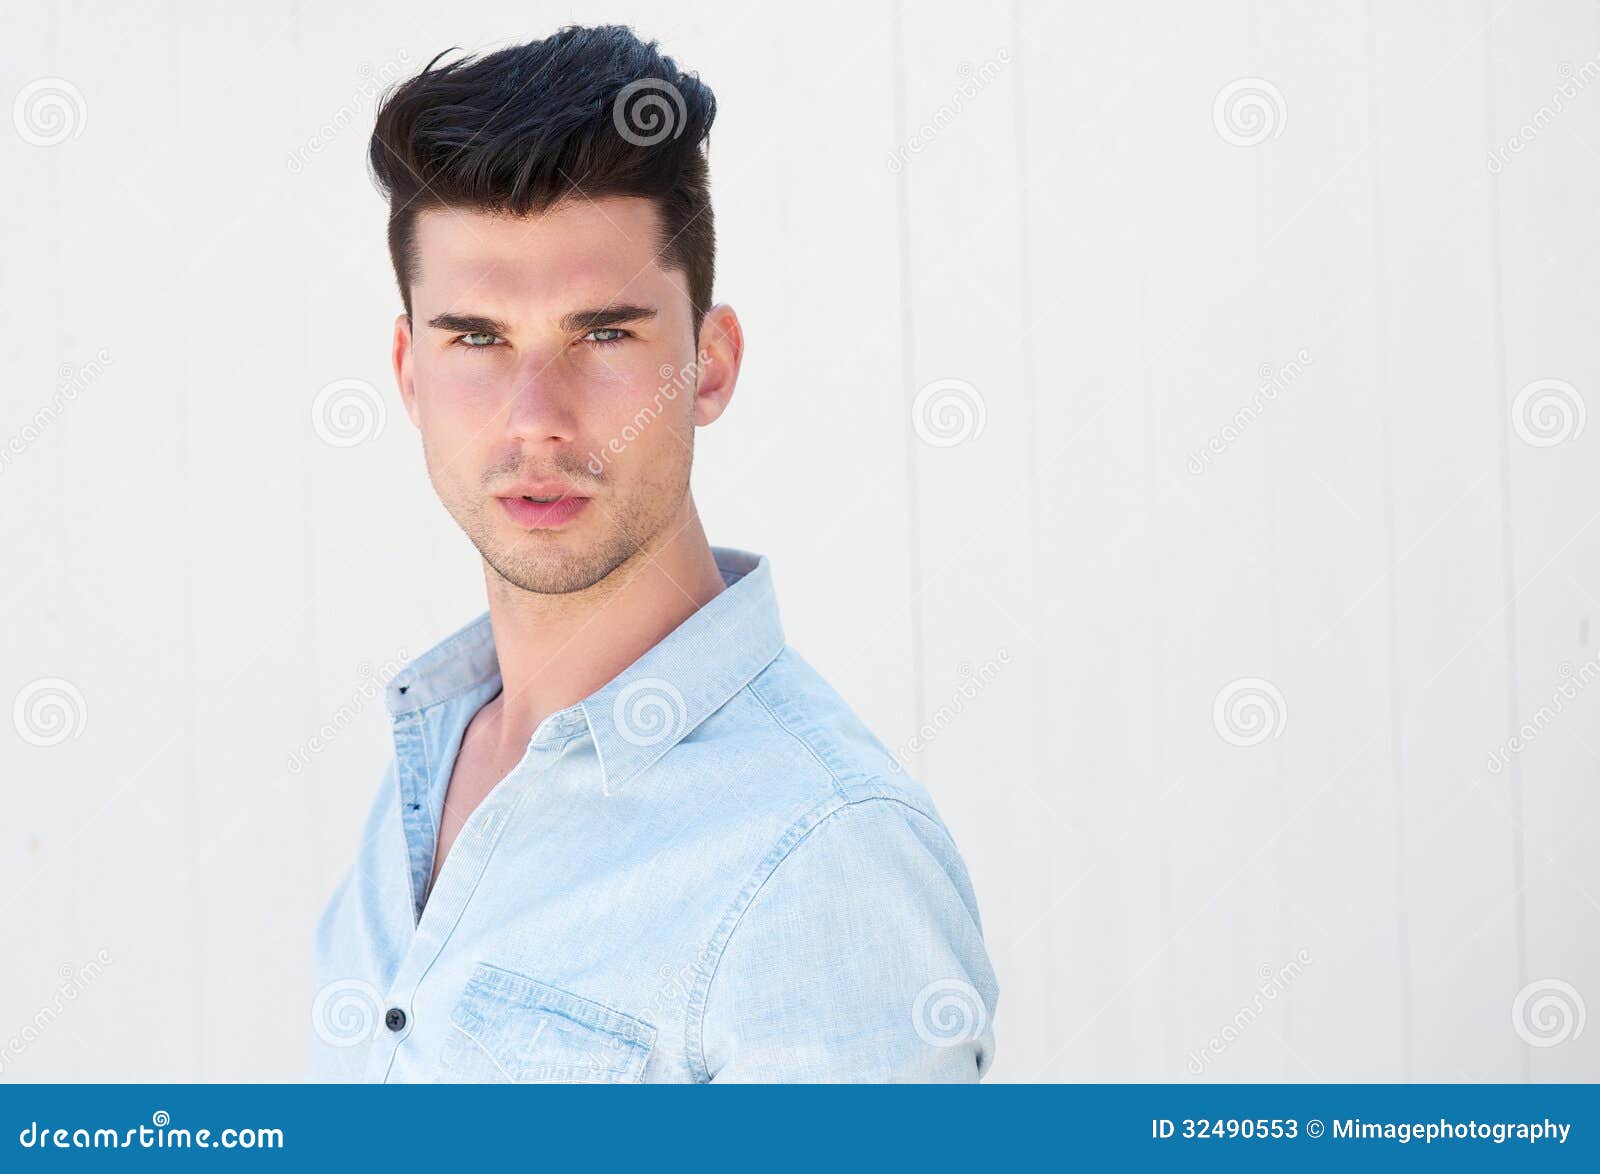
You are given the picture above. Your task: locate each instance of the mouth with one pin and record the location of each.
(542, 511)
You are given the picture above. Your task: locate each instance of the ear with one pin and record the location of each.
(402, 366)
(720, 350)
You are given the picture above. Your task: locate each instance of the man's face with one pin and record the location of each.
(553, 357)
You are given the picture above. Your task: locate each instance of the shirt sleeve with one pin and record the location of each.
(860, 958)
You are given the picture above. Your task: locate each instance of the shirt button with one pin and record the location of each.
(394, 1019)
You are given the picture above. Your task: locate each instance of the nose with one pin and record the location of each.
(540, 402)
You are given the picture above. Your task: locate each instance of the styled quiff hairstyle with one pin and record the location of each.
(587, 112)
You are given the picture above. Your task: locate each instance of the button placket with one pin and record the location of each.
(458, 878)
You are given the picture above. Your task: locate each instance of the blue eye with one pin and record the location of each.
(477, 346)
(614, 336)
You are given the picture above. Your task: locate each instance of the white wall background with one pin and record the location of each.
(1083, 239)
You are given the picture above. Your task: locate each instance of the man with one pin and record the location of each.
(628, 834)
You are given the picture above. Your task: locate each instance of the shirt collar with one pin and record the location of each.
(655, 702)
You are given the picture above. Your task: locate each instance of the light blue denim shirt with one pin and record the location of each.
(708, 869)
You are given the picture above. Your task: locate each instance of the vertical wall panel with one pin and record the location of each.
(1541, 76)
(1443, 458)
(969, 428)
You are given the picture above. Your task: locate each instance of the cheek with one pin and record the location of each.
(466, 386)
(456, 398)
(658, 460)
(452, 414)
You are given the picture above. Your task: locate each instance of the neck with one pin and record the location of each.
(555, 650)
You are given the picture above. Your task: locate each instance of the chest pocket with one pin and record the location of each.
(509, 1027)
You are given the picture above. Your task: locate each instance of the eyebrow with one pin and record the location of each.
(574, 322)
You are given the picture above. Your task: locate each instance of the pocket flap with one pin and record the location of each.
(527, 1030)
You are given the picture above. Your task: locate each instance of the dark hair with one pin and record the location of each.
(586, 112)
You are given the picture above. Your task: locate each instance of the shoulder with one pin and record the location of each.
(843, 954)
(828, 778)
(793, 720)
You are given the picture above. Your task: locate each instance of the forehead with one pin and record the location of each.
(579, 250)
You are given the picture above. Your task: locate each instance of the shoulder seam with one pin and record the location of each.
(698, 1058)
(833, 776)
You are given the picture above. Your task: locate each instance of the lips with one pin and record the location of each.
(531, 513)
(541, 490)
